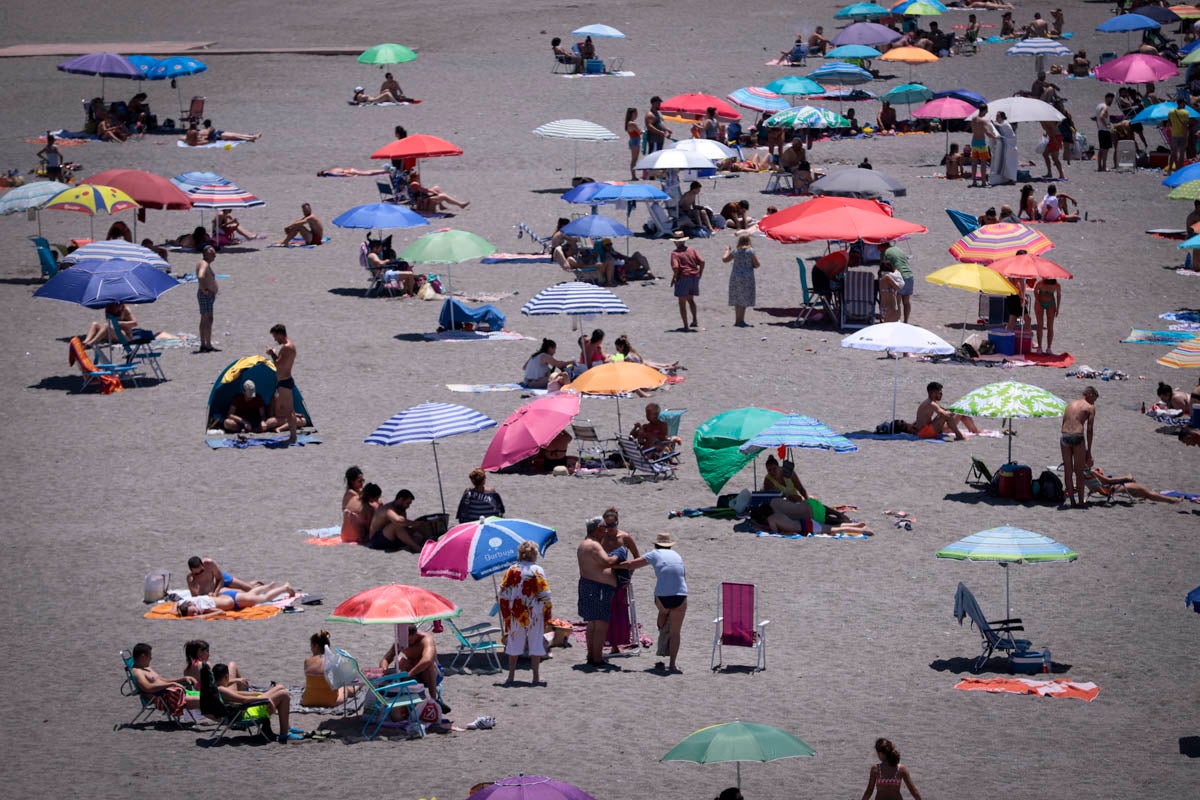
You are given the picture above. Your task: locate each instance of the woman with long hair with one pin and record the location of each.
(888, 774)
(635, 139)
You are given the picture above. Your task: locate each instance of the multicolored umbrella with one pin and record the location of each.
(1185, 11)
(1008, 545)
(91, 200)
(758, 99)
(903, 6)
(481, 548)
(696, 105)
(1186, 191)
(799, 431)
(923, 8)
(145, 188)
(530, 428)
(615, 379)
(738, 742)
(389, 53)
(990, 243)
(1028, 266)
(1009, 400)
(805, 117)
(1136, 68)
(795, 85)
(531, 787)
(1186, 356)
(717, 440)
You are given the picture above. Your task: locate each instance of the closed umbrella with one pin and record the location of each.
(718, 438)
(897, 337)
(990, 243)
(96, 283)
(798, 431)
(1009, 400)
(577, 130)
(115, 249)
(738, 742)
(1008, 545)
(758, 99)
(530, 428)
(857, 182)
(429, 422)
(388, 53)
(1136, 68)
(615, 379)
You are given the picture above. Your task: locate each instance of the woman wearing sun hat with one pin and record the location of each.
(670, 593)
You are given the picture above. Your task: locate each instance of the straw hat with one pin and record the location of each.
(664, 540)
(679, 236)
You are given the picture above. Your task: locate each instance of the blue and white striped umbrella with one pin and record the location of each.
(31, 195)
(574, 298)
(797, 430)
(1038, 46)
(115, 248)
(429, 422)
(758, 99)
(1008, 545)
(840, 72)
(190, 180)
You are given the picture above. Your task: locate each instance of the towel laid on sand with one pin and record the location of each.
(912, 437)
(1169, 416)
(409, 102)
(475, 336)
(1060, 688)
(1189, 315)
(617, 74)
(1059, 360)
(299, 243)
(324, 537)
(222, 442)
(1139, 336)
(167, 611)
(481, 388)
(518, 258)
(221, 144)
(768, 534)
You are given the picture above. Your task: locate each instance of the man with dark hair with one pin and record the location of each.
(391, 529)
(933, 420)
(656, 132)
(170, 694)
(1075, 443)
(285, 359)
(205, 577)
(1104, 135)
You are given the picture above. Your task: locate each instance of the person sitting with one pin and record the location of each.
(933, 420)
(798, 53)
(119, 230)
(170, 694)
(989, 217)
(1170, 398)
(278, 698)
(418, 657)
(1081, 67)
(689, 204)
(391, 87)
(358, 512)
(361, 98)
(817, 43)
(102, 333)
(137, 113)
(554, 455)
(391, 530)
(783, 480)
(954, 163)
(277, 422)
(431, 198)
(480, 500)
(207, 605)
(210, 134)
(1007, 214)
(652, 435)
(542, 369)
(111, 130)
(587, 48)
(317, 691)
(229, 227)
(809, 516)
(205, 577)
(568, 256)
(247, 412)
(558, 237)
(625, 351)
(792, 157)
(1097, 482)
(591, 350)
(308, 227)
(564, 56)
(620, 268)
(195, 653)
(1055, 207)
(736, 215)
(886, 118)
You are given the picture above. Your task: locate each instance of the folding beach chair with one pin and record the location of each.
(859, 307)
(107, 376)
(672, 417)
(47, 259)
(964, 222)
(148, 704)
(1108, 493)
(1126, 155)
(811, 302)
(195, 112)
(523, 230)
(592, 449)
(139, 349)
(388, 193)
(979, 476)
(996, 634)
(473, 640)
(638, 461)
(737, 624)
(385, 695)
(253, 717)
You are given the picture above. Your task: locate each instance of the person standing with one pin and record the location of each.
(1104, 135)
(1180, 124)
(1004, 156)
(686, 269)
(982, 131)
(620, 545)
(53, 158)
(670, 594)
(635, 139)
(1047, 302)
(1054, 145)
(889, 292)
(525, 608)
(742, 292)
(1075, 442)
(656, 132)
(284, 358)
(597, 585)
(888, 774)
(895, 256)
(206, 295)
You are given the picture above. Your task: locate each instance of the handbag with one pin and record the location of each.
(1041, 146)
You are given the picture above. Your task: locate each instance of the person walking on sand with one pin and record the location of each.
(284, 358)
(888, 774)
(1180, 124)
(982, 131)
(206, 295)
(686, 268)
(1047, 302)
(1076, 443)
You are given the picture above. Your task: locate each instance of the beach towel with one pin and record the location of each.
(222, 144)
(1059, 688)
(1185, 271)
(518, 258)
(475, 336)
(65, 138)
(1138, 336)
(618, 74)
(299, 244)
(224, 442)
(1195, 498)
(769, 535)
(1188, 316)
(190, 277)
(1058, 360)
(409, 102)
(324, 537)
(1169, 416)
(1168, 233)
(167, 611)
(481, 388)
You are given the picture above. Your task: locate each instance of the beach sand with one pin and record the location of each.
(862, 644)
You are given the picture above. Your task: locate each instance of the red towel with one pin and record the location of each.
(1060, 688)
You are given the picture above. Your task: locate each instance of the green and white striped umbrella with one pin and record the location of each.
(1008, 545)
(807, 117)
(1009, 400)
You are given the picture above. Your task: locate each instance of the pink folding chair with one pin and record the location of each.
(738, 625)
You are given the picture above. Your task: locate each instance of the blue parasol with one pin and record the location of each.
(596, 226)
(379, 215)
(97, 283)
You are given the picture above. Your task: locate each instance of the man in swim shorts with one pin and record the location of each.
(982, 131)
(933, 420)
(205, 577)
(285, 358)
(1076, 443)
(597, 585)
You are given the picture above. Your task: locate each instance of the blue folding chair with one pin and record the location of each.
(384, 695)
(46, 257)
(137, 350)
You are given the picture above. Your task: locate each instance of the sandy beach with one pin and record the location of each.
(862, 643)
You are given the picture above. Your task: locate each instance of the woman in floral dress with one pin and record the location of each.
(525, 607)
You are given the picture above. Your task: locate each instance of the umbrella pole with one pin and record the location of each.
(1007, 595)
(619, 428)
(1008, 424)
(895, 378)
(437, 469)
(739, 775)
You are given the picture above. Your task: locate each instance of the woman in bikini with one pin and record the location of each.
(231, 600)
(1047, 296)
(787, 485)
(887, 775)
(1027, 207)
(635, 139)
(317, 691)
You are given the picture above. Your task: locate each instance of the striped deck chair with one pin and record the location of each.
(859, 306)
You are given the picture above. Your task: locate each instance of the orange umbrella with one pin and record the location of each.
(909, 55)
(1029, 266)
(615, 379)
(847, 224)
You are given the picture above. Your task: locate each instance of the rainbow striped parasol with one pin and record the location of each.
(1001, 240)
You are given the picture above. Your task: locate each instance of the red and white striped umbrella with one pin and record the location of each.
(215, 195)
(1001, 240)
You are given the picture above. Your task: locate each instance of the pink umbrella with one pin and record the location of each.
(945, 108)
(529, 428)
(696, 104)
(1136, 68)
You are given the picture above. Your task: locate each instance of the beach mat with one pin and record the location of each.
(481, 388)
(475, 336)
(1139, 336)
(769, 535)
(1057, 360)
(298, 244)
(167, 611)
(234, 443)
(1059, 688)
(518, 258)
(222, 144)
(618, 74)
(385, 104)
(323, 537)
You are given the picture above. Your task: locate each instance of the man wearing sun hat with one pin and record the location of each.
(670, 594)
(686, 268)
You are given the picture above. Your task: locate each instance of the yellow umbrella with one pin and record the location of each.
(615, 379)
(909, 55)
(91, 200)
(972, 278)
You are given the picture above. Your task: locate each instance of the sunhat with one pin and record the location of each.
(664, 540)
(358, 89)
(679, 236)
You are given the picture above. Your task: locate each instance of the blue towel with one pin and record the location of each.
(222, 442)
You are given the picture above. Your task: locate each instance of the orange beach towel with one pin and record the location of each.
(167, 611)
(1060, 688)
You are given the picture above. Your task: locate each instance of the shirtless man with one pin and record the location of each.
(597, 585)
(1076, 443)
(933, 420)
(308, 228)
(390, 86)
(205, 577)
(981, 156)
(1039, 28)
(419, 659)
(285, 359)
(1193, 218)
(206, 295)
(391, 529)
(170, 694)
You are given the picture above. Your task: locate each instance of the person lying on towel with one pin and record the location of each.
(232, 600)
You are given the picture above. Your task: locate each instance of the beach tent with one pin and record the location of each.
(255, 368)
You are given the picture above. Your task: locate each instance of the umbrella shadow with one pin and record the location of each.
(348, 291)
(978, 496)
(1189, 746)
(244, 740)
(960, 665)
(411, 337)
(23, 281)
(561, 190)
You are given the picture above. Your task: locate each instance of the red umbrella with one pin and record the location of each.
(1029, 266)
(819, 205)
(696, 105)
(419, 145)
(394, 604)
(849, 222)
(148, 189)
(529, 428)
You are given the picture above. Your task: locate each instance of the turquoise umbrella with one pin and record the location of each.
(908, 93)
(861, 11)
(717, 441)
(1008, 545)
(795, 85)
(738, 742)
(853, 51)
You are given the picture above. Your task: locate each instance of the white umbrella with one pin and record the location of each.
(674, 159)
(898, 337)
(857, 182)
(577, 130)
(1023, 109)
(574, 299)
(706, 148)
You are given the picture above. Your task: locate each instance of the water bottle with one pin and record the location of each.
(1046, 661)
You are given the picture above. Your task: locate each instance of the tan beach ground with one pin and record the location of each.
(101, 490)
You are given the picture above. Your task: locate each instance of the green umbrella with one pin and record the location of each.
(1185, 191)
(447, 246)
(383, 54)
(738, 741)
(717, 441)
(1009, 400)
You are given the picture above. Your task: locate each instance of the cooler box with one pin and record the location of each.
(593, 66)
(1030, 662)
(432, 526)
(1004, 341)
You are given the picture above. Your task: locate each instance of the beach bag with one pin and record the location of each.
(155, 586)
(338, 670)
(1050, 488)
(1041, 146)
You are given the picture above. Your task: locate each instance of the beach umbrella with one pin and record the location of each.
(945, 108)
(853, 51)
(718, 438)
(758, 99)
(857, 182)
(1039, 47)
(1185, 356)
(738, 742)
(615, 379)
(1023, 109)
(395, 604)
(1126, 24)
(144, 63)
(1160, 14)
(1186, 191)
(574, 298)
(1192, 243)
(145, 188)
(1008, 545)
(707, 148)
(1185, 11)
(222, 195)
(840, 72)
(923, 8)
(531, 787)
(172, 68)
(904, 5)
(1009, 400)
(106, 65)
(989, 243)
(846, 225)
(897, 337)
(596, 226)
(971, 278)
(909, 55)
(798, 431)
(625, 192)
(447, 246)
(190, 180)
(30, 196)
(697, 105)
(429, 422)
(417, 145)
(481, 548)
(384, 54)
(1193, 54)
(91, 199)
(115, 249)
(530, 428)
(868, 33)
(379, 215)
(795, 85)
(598, 31)
(966, 95)
(577, 130)
(805, 117)
(584, 192)
(908, 93)
(1157, 115)
(96, 283)
(861, 11)
(1030, 267)
(1136, 68)
(672, 158)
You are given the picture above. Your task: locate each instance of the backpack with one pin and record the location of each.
(156, 584)
(1050, 488)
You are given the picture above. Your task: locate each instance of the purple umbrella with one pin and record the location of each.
(531, 787)
(106, 65)
(870, 34)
